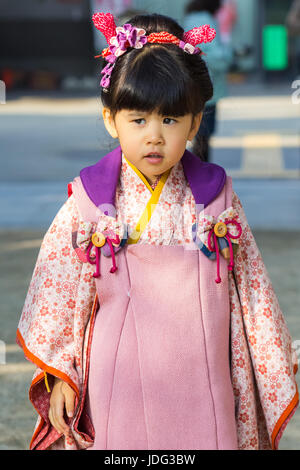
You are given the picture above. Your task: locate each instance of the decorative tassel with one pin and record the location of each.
(99, 240)
(111, 242)
(220, 230)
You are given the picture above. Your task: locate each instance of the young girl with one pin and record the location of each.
(150, 315)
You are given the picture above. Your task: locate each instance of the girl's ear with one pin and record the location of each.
(109, 123)
(195, 125)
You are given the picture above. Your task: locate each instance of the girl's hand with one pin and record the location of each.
(62, 397)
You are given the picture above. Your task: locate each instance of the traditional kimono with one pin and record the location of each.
(156, 308)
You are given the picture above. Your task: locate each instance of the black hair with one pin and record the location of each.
(212, 6)
(158, 77)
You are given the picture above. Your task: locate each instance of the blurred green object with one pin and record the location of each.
(275, 47)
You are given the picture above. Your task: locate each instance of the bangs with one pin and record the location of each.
(156, 82)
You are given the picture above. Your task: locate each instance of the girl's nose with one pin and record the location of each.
(155, 140)
(154, 135)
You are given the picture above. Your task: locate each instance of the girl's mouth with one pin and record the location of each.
(154, 158)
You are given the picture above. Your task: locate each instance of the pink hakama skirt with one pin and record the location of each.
(159, 372)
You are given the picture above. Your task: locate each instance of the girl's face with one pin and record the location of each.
(141, 134)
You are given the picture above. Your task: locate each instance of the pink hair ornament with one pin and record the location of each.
(106, 24)
(200, 34)
(119, 39)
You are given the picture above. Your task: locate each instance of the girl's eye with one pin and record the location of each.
(138, 121)
(168, 121)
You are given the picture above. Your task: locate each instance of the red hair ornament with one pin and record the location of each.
(126, 36)
(106, 24)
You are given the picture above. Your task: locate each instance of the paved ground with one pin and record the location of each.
(46, 139)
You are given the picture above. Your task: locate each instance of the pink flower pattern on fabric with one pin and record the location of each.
(66, 301)
(248, 306)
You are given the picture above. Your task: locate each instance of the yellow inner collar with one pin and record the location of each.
(142, 177)
(151, 205)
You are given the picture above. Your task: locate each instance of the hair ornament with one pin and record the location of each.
(127, 36)
(106, 24)
(200, 34)
(121, 38)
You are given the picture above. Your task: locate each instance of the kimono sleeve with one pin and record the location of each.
(265, 335)
(56, 310)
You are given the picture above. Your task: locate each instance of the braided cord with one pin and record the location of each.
(163, 38)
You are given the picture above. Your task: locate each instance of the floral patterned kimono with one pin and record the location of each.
(155, 306)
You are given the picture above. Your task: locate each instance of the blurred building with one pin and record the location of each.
(248, 38)
(42, 41)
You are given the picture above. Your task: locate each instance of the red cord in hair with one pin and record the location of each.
(163, 37)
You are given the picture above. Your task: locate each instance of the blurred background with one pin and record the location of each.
(51, 127)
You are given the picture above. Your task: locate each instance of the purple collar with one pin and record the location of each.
(100, 181)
